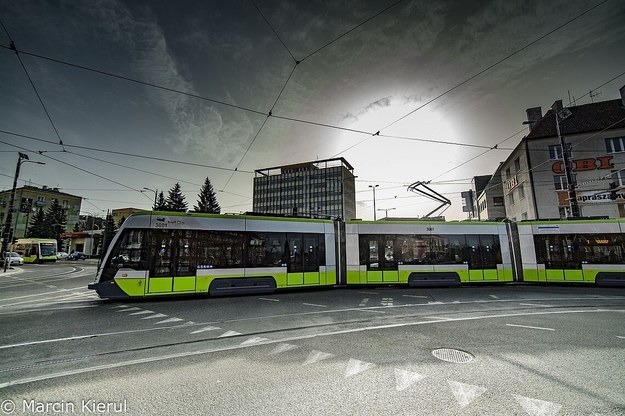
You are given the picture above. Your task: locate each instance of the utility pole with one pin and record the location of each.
(373, 187)
(575, 213)
(7, 233)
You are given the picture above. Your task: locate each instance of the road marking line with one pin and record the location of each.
(316, 356)
(141, 313)
(166, 321)
(165, 357)
(356, 366)
(494, 297)
(387, 301)
(405, 379)
(535, 407)
(269, 299)
(158, 315)
(283, 347)
(531, 327)
(364, 302)
(415, 296)
(618, 336)
(129, 309)
(465, 394)
(314, 304)
(536, 304)
(369, 293)
(369, 310)
(255, 340)
(229, 334)
(206, 328)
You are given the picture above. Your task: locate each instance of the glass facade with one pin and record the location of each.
(316, 189)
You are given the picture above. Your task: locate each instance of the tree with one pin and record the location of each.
(37, 225)
(121, 222)
(176, 200)
(55, 221)
(109, 232)
(207, 200)
(161, 203)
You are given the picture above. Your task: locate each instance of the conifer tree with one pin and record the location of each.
(36, 228)
(207, 200)
(176, 200)
(55, 221)
(161, 203)
(109, 232)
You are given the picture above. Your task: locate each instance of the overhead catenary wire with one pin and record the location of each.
(30, 80)
(303, 121)
(472, 77)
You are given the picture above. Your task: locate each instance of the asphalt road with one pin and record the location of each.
(495, 350)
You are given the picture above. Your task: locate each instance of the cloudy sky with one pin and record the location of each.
(210, 72)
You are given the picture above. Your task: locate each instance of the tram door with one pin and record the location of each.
(483, 256)
(303, 259)
(380, 259)
(171, 266)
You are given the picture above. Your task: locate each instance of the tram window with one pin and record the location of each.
(294, 253)
(312, 255)
(266, 250)
(601, 248)
(185, 261)
(449, 249)
(490, 250)
(474, 252)
(219, 249)
(161, 247)
(129, 252)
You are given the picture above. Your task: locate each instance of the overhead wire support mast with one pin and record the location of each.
(575, 213)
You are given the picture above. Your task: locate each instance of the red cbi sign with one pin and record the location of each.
(581, 165)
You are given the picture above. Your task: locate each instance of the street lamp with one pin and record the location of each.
(386, 210)
(7, 234)
(373, 188)
(152, 190)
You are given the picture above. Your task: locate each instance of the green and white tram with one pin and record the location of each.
(425, 253)
(157, 253)
(576, 251)
(36, 250)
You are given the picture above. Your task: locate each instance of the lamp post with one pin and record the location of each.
(155, 194)
(386, 210)
(375, 218)
(7, 231)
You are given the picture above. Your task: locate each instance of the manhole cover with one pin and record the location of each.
(452, 356)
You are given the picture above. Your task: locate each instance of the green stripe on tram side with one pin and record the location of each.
(29, 259)
(536, 275)
(158, 286)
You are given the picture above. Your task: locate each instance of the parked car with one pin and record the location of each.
(14, 258)
(61, 255)
(77, 255)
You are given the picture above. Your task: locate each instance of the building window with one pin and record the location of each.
(524, 216)
(511, 198)
(508, 174)
(521, 192)
(560, 182)
(618, 176)
(555, 151)
(498, 201)
(615, 144)
(517, 165)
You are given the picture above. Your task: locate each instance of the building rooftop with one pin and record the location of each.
(603, 115)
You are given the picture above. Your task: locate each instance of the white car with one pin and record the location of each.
(14, 258)
(61, 255)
